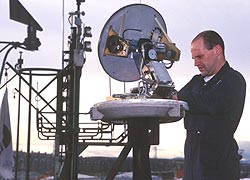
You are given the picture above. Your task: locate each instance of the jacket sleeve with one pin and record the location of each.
(217, 97)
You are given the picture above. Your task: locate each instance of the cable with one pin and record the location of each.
(4, 61)
(63, 25)
(4, 47)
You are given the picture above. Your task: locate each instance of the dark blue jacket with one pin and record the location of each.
(215, 111)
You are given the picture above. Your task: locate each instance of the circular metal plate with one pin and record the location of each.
(132, 22)
(164, 110)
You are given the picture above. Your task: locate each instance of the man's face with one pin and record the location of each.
(205, 60)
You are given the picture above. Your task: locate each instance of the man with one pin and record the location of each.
(216, 99)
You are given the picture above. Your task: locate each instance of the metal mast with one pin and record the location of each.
(66, 166)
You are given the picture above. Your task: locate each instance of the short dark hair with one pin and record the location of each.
(211, 39)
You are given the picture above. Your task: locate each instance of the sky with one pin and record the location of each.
(184, 19)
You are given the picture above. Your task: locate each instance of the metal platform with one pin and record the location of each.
(164, 110)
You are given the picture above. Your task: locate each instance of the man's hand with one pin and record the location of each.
(175, 97)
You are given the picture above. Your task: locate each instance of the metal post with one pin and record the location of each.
(18, 127)
(140, 139)
(118, 163)
(75, 124)
(29, 129)
(59, 117)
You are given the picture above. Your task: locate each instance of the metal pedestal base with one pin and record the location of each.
(142, 134)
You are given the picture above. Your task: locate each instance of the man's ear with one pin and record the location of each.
(218, 49)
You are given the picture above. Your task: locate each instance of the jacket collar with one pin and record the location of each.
(218, 75)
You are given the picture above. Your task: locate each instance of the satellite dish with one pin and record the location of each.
(120, 38)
